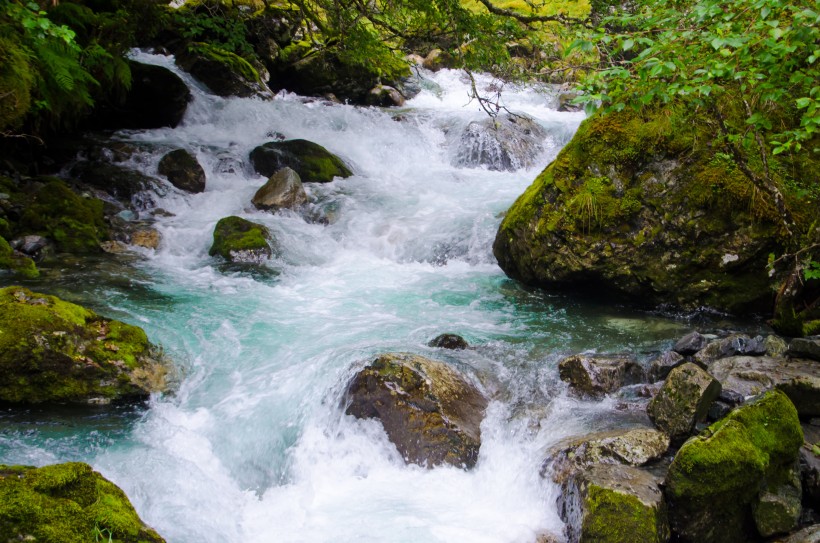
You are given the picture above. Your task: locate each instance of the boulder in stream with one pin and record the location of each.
(15, 262)
(430, 412)
(509, 142)
(223, 72)
(183, 171)
(242, 241)
(614, 504)
(596, 375)
(449, 341)
(283, 190)
(69, 503)
(683, 400)
(716, 476)
(311, 161)
(56, 351)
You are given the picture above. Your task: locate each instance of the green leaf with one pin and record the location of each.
(628, 44)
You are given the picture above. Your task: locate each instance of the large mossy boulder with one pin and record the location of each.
(157, 98)
(56, 351)
(614, 504)
(311, 161)
(183, 171)
(430, 412)
(643, 205)
(223, 72)
(242, 241)
(716, 476)
(66, 503)
(75, 223)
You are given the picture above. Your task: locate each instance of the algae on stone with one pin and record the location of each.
(18, 264)
(716, 475)
(240, 240)
(66, 503)
(311, 161)
(56, 351)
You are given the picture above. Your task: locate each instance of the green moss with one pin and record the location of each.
(232, 62)
(56, 351)
(16, 83)
(76, 224)
(233, 234)
(311, 161)
(614, 517)
(66, 503)
(20, 265)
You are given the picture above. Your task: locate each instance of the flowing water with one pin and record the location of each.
(254, 445)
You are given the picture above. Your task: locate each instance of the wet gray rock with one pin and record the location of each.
(508, 142)
(311, 161)
(690, 343)
(32, 245)
(733, 345)
(283, 190)
(384, 96)
(449, 341)
(805, 347)
(430, 412)
(660, 367)
(634, 447)
(750, 375)
(118, 181)
(595, 375)
(614, 503)
(183, 171)
(683, 401)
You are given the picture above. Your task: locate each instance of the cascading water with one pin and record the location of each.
(254, 445)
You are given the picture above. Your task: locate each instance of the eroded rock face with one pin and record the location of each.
(509, 142)
(716, 476)
(56, 351)
(635, 447)
(597, 375)
(67, 503)
(183, 171)
(311, 161)
(627, 208)
(683, 400)
(242, 241)
(283, 190)
(428, 410)
(614, 504)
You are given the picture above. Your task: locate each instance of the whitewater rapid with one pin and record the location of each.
(254, 445)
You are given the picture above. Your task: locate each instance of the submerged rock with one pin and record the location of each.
(145, 237)
(69, 503)
(634, 447)
(510, 142)
(683, 400)
(56, 351)
(384, 96)
(716, 476)
(428, 410)
(311, 161)
(183, 171)
(449, 341)
(614, 504)
(240, 240)
(283, 190)
(597, 375)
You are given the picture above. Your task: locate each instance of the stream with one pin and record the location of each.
(254, 445)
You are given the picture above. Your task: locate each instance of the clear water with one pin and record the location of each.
(254, 446)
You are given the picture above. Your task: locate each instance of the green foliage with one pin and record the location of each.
(759, 55)
(812, 271)
(213, 22)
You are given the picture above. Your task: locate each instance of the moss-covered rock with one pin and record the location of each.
(640, 204)
(614, 504)
(17, 264)
(66, 503)
(56, 351)
(182, 170)
(311, 161)
(683, 400)
(777, 508)
(597, 375)
(224, 72)
(716, 475)
(428, 410)
(16, 83)
(73, 222)
(240, 240)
